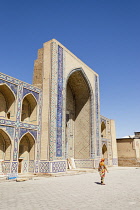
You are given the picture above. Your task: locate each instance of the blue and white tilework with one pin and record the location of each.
(44, 167)
(97, 108)
(58, 166)
(59, 103)
(16, 128)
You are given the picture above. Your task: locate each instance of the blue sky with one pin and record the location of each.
(105, 34)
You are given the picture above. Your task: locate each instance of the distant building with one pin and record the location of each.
(55, 119)
(128, 149)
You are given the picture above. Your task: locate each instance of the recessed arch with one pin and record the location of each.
(7, 101)
(26, 151)
(79, 127)
(5, 146)
(29, 109)
(103, 129)
(104, 151)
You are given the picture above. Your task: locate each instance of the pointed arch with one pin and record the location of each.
(7, 101)
(104, 151)
(5, 145)
(79, 115)
(27, 147)
(28, 134)
(29, 109)
(81, 71)
(103, 129)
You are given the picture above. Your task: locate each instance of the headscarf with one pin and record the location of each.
(102, 162)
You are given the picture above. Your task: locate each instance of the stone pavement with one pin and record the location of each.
(78, 192)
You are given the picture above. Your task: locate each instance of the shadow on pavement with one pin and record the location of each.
(98, 183)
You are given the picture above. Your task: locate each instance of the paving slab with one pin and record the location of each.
(82, 192)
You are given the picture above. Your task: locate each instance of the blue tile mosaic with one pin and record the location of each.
(24, 130)
(14, 168)
(97, 115)
(59, 166)
(11, 86)
(27, 91)
(59, 103)
(44, 167)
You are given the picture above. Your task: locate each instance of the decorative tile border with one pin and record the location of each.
(53, 99)
(97, 108)
(13, 87)
(59, 103)
(59, 166)
(44, 167)
(14, 167)
(27, 91)
(15, 81)
(52, 166)
(7, 167)
(23, 131)
(25, 166)
(31, 166)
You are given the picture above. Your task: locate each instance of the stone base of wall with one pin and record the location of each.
(94, 163)
(84, 163)
(52, 166)
(35, 167)
(129, 162)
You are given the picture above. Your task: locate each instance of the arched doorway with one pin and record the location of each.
(5, 150)
(26, 153)
(29, 109)
(78, 116)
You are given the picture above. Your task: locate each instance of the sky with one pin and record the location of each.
(104, 34)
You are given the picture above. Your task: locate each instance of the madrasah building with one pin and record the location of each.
(54, 123)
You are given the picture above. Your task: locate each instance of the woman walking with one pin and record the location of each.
(102, 169)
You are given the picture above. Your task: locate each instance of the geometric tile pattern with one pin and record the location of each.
(25, 166)
(27, 91)
(59, 103)
(59, 166)
(24, 130)
(13, 87)
(97, 115)
(44, 167)
(31, 166)
(53, 99)
(7, 167)
(39, 128)
(14, 167)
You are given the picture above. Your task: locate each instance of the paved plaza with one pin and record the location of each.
(78, 192)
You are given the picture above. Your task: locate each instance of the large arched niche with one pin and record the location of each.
(78, 116)
(7, 102)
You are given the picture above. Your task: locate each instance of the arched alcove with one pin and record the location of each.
(29, 109)
(103, 130)
(5, 146)
(7, 102)
(26, 152)
(78, 116)
(104, 151)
